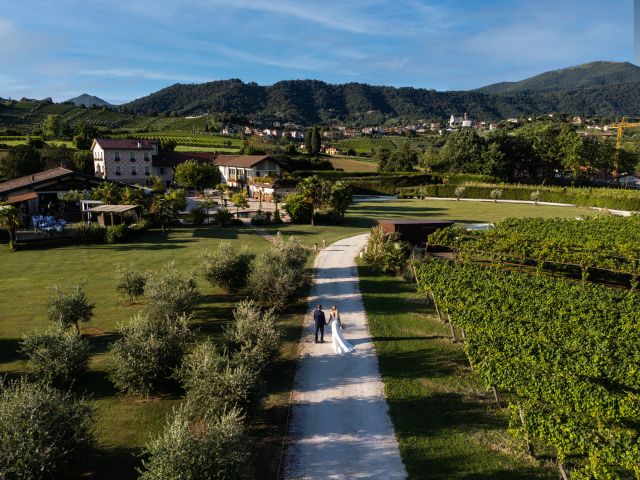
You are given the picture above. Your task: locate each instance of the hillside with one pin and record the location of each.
(588, 75)
(311, 101)
(88, 101)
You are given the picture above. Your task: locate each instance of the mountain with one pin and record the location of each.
(312, 101)
(89, 101)
(588, 75)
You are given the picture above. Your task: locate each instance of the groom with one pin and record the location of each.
(319, 318)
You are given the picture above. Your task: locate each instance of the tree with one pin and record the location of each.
(239, 199)
(298, 209)
(10, 221)
(43, 431)
(280, 275)
(340, 198)
(166, 207)
(195, 174)
(222, 217)
(198, 447)
(84, 135)
(52, 127)
(107, 192)
(170, 293)
(226, 266)
(462, 152)
(130, 282)
(314, 192)
(402, 159)
(212, 382)
(316, 140)
(132, 196)
(149, 349)
(167, 145)
(69, 305)
(20, 161)
(58, 355)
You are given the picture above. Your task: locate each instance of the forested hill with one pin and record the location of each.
(588, 75)
(311, 101)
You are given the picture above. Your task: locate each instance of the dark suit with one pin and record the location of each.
(318, 316)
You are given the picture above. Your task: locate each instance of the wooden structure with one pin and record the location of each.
(414, 231)
(114, 214)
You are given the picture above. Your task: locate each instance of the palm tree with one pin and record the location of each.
(10, 221)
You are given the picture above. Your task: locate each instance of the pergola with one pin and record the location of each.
(113, 213)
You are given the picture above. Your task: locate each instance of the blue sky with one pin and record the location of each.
(124, 49)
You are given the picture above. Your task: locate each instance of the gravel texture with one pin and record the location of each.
(340, 426)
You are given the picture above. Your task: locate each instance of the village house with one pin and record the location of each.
(135, 161)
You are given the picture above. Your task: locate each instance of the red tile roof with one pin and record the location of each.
(243, 161)
(125, 144)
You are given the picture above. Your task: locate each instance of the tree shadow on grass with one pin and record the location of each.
(10, 350)
(113, 463)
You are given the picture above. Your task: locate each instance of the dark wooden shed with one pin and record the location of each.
(414, 231)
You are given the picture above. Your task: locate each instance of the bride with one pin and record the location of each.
(340, 345)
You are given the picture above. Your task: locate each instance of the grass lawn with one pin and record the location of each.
(125, 424)
(445, 420)
(351, 164)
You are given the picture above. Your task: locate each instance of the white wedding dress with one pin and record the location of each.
(340, 344)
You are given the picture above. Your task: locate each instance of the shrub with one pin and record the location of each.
(535, 196)
(223, 217)
(89, 233)
(226, 266)
(43, 431)
(130, 283)
(198, 447)
(254, 336)
(326, 217)
(58, 356)
(148, 351)
(279, 275)
(496, 194)
(212, 382)
(142, 226)
(298, 209)
(385, 253)
(69, 305)
(459, 192)
(261, 218)
(171, 294)
(197, 215)
(116, 233)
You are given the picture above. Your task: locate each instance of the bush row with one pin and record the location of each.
(585, 197)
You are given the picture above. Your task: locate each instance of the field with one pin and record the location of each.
(350, 164)
(208, 141)
(366, 144)
(125, 424)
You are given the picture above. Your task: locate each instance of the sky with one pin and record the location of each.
(120, 50)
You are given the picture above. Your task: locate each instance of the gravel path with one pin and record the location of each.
(340, 426)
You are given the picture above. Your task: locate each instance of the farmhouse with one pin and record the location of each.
(36, 193)
(135, 161)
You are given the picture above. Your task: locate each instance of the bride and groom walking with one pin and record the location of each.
(340, 344)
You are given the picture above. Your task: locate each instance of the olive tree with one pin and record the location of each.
(43, 431)
(69, 305)
(130, 282)
(170, 293)
(213, 382)
(210, 446)
(280, 275)
(148, 351)
(10, 221)
(58, 355)
(226, 266)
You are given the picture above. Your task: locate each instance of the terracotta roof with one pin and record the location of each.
(125, 144)
(243, 161)
(171, 159)
(30, 180)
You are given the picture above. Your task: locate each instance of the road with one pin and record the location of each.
(340, 426)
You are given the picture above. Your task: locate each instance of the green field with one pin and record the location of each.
(366, 144)
(124, 424)
(194, 140)
(350, 164)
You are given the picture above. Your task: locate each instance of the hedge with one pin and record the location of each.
(584, 197)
